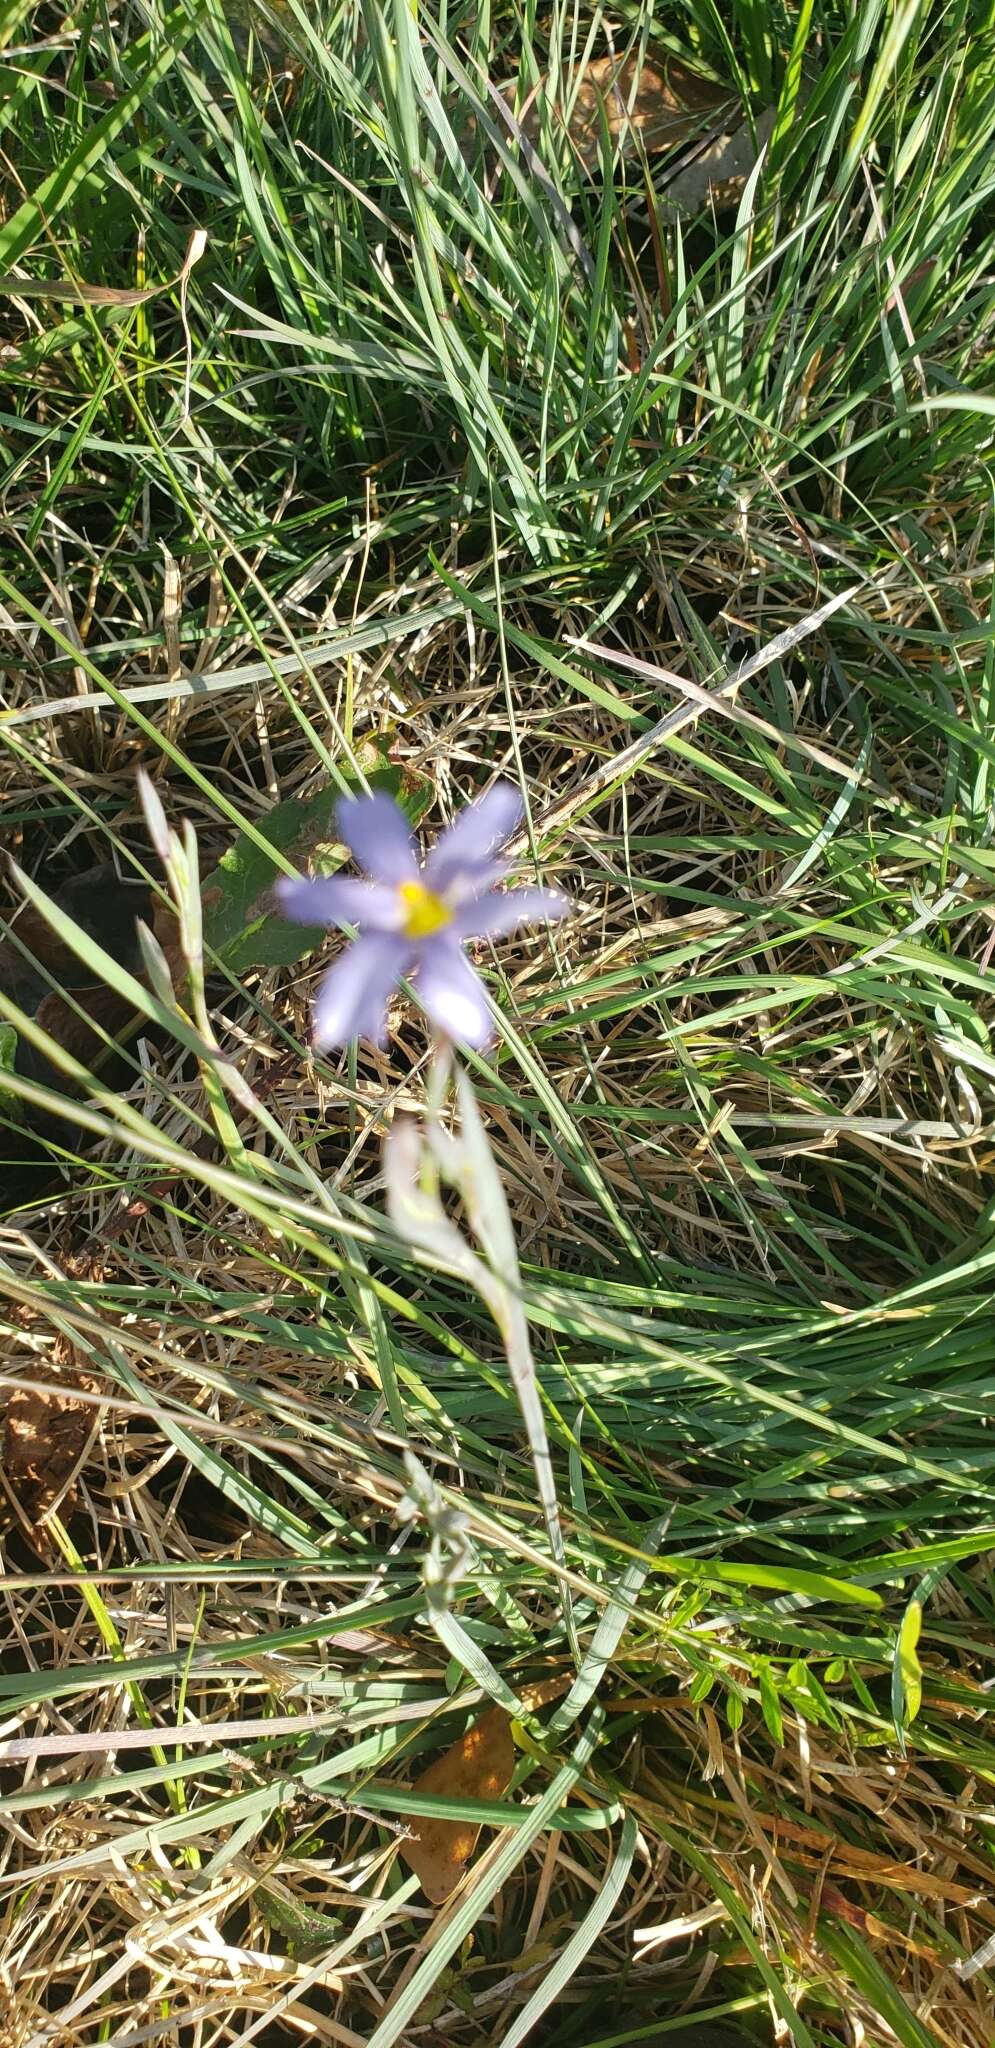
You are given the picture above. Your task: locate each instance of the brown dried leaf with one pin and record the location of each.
(868, 1924)
(74, 289)
(12, 286)
(865, 1865)
(478, 1766)
(663, 108)
(718, 174)
(660, 108)
(80, 1036)
(45, 1433)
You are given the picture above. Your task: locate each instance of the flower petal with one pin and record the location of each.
(490, 916)
(475, 837)
(378, 834)
(453, 993)
(339, 899)
(468, 884)
(352, 999)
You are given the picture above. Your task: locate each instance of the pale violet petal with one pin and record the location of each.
(465, 886)
(378, 834)
(491, 916)
(475, 837)
(352, 1000)
(452, 993)
(339, 899)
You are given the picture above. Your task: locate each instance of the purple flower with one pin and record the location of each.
(414, 917)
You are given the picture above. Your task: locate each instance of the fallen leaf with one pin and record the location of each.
(69, 290)
(868, 1924)
(72, 292)
(717, 175)
(478, 1766)
(100, 902)
(45, 1432)
(46, 1429)
(656, 108)
(661, 109)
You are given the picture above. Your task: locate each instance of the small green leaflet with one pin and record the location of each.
(8, 1055)
(906, 1674)
(770, 1705)
(8, 1050)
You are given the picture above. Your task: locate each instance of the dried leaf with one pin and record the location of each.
(478, 1766)
(69, 290)
(718, 174)
(866, 1923)
(98, 900)
(72, 292)
(660, 108)
(45, 1433)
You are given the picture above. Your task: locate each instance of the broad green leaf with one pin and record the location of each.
(812, 1585)
(240, 923)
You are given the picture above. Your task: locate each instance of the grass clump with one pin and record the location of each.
(356, 430)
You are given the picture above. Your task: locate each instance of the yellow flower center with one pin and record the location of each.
(424, 912)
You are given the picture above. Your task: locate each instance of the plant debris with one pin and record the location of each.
(478, 1766)
(46, 1432)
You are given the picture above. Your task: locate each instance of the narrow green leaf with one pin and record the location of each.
(558, 1976)
(770, 1705)
(481, 1894)
(36, 216)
